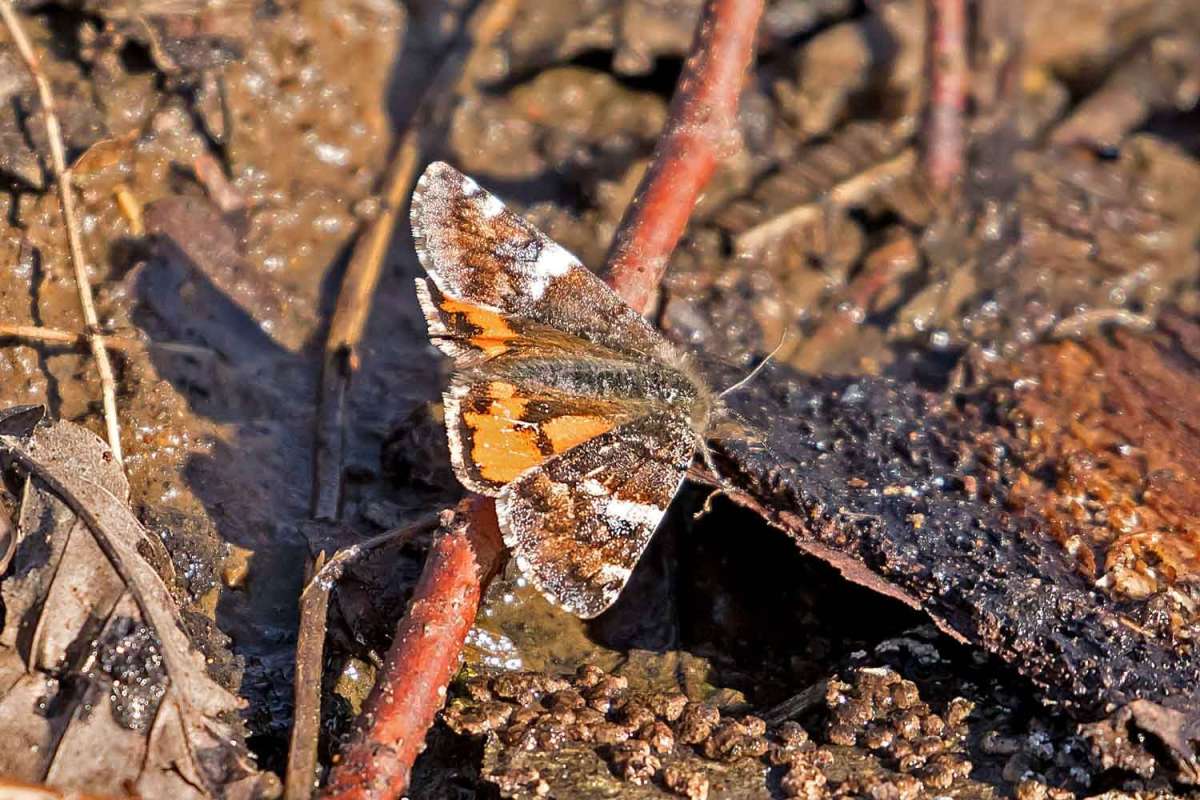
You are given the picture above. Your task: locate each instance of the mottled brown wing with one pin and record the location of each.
(577, 524)
(499, 426)
(477, 250)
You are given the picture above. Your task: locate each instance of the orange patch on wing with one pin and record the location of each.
(567, 431)
(505, 400)
(494, 331)
(502, 446)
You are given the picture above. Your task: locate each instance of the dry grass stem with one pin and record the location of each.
(108, 385)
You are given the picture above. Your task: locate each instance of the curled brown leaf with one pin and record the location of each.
(100, 687)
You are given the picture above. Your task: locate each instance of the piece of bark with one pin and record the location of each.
(903, 496)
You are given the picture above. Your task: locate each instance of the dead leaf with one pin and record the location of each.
(100, 687)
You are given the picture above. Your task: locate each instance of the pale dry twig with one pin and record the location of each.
(58, 161)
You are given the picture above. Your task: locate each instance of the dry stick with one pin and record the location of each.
(944, 139)
(340, 359)
(301, 777)
(331, 573)
(300, 781)
(67, 199)
(854, 189)
(1087, 323)
(43, 335)
(37, 333)
(798, 704)
(412, 688)
(700, 130)
(1147, 82)
(855, 300)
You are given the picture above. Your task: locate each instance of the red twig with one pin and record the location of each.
(701, 129)
(424, 654)
(944, 139)
(422, 659)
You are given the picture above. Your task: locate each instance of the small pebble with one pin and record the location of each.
(588, 716)
(478, 719)
(669, 705)
(635, 715)
(633, 761)
(689, 783)
(696, 723)
(840, 733)
(958, 710)
(549, 684)
(905, 694)
(908, 726)
(588, 675)
(510, 779)
(804, 780)
(609, 733)
(565, 700)
(878, 737)
(478, 689)
(929, 746)
(755, 726)
(791, 734)
(932, 725)
(732, 740)
(658, 736)
(524, 715)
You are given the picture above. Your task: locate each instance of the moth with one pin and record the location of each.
(564, 404)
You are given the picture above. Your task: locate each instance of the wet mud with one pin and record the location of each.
(958, 552)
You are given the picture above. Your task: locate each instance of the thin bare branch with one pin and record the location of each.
(301, 780)
(944, 138)
(411, 688)
(346, 328)
(701, 129)
(43, 335)
(854, 189)
(329, 574)
(461, 560)
(58, 159)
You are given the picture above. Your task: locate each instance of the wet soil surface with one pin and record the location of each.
(983, 413)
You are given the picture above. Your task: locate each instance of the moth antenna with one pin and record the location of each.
(757, 369)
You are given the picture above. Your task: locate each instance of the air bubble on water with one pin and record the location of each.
(495, 649)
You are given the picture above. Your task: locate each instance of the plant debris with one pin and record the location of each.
(898, 494)
(592, 735)
(102, 688)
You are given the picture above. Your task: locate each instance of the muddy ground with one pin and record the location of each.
(227, 155)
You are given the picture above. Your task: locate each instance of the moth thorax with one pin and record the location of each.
(702, 410)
